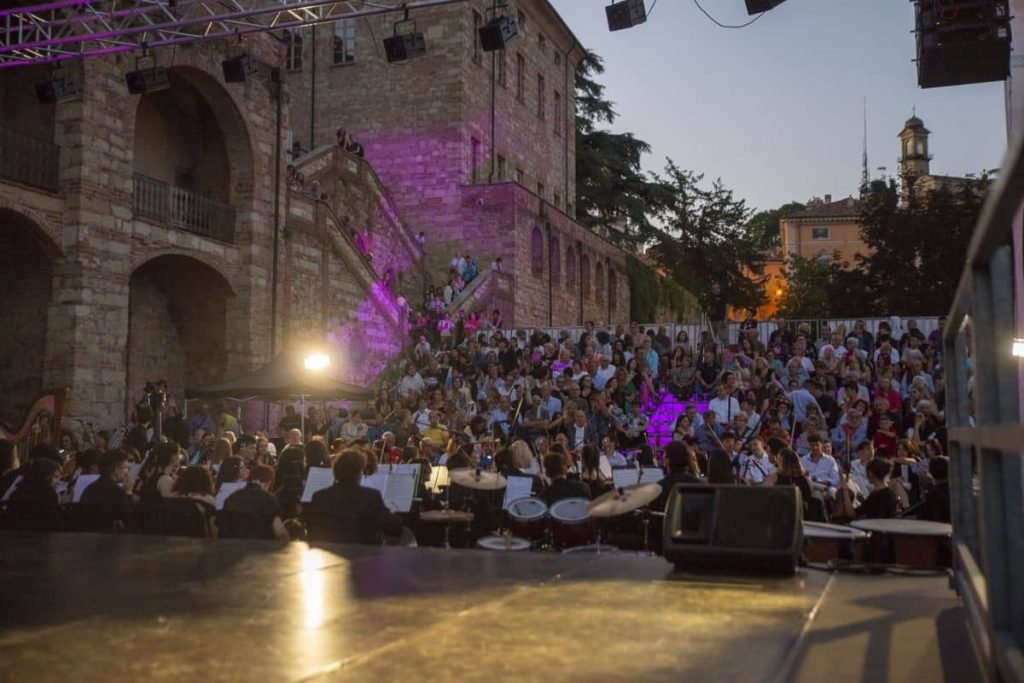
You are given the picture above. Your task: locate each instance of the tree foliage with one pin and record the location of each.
(705, 245)
(650, 292)
(763, 226)
(824, 287)
(918, 244)
(614, 196)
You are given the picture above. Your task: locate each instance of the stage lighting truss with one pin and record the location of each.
(71, 29)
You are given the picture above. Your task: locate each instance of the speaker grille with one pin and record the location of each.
(760, 518)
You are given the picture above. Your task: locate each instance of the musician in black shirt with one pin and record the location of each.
(881, 502)
(107, 500)
(560, 487)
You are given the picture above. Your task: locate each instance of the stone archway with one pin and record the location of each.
(26, 287)
(177, 325)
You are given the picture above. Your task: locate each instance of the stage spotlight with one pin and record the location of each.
(761, 6)
(497, 33)
(625, 14)
(60, 86)
(238, 68)
(147, 81)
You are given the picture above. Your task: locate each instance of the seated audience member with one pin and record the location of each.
(196, 484)
(255, 499)
(348, 512)
(34, 504)
(791, 472)
(936, 502)
(882, 501)
(232, 470)
(560, 487)
(107, 499)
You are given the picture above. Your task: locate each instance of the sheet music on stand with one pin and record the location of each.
(605, 466)
(516, 488)
(399, 489)
(319, 478)
(439, 478)
(406, 468)
(84, 482)
(624, 476)
(226, 490)
(651, 475)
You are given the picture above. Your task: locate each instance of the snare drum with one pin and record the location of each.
(827, 542)
(527, 518)
(570, 525)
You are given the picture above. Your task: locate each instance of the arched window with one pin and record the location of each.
(612, 290)
(293, 49)
(555, 258)
(599, 281)
(536, 252)
(585, 275)
(570, 267)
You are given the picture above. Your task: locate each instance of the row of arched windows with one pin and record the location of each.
(572, 262)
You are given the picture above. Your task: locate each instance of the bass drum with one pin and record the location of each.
(528, 518)
(571, 525)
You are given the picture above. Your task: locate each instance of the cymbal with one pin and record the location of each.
(446, 516)
(621, 501)
(476, 479)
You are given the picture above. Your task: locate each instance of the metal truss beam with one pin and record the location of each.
(73, 29)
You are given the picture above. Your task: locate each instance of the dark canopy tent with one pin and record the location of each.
(283, 378)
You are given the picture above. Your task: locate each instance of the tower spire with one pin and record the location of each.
(865, 176)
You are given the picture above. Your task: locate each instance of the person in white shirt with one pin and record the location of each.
(411, 384)
(757, 466)
(355, 428)
(724, 405)
(822, 468)
(604, 373)
(858, 482)
(609, 453)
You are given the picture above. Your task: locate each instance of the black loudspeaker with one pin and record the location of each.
(626, 14)
(734, 529)
(146, 81)
(761, 6)
(237, 69)
(399, 48)
(962, 41)
(57, 89)
(497, 33)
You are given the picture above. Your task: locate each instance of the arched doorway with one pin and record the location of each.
(177, 325)
(26, 287)
(192, 159)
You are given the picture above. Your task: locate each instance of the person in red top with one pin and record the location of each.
(885, 436)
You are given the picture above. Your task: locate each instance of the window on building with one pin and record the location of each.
(555, 258)
(599, 281)
(612, 290)
(502, 57)
(520, 78)
(477, 23)
(501, 168)
(519, 176)
(475, 155)
(585, 276)
(542, 43)
(558, 201)
(540, 190)
(540, 97)
(344, 41)
(537, 252)
(558, 113)
(821, 233)
(558, 58)
(570, 267)
(293, 49)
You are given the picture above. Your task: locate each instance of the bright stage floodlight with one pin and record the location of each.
(316, 362)
(625, 14)
(497, 33)
(762, 6)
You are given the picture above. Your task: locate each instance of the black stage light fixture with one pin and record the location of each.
(402, 46)
(237, 69)
(60, 86)
(498, 32)
(147, 81)
(962, 41)
(762, 6)
(625, 14)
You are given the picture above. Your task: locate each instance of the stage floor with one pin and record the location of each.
(80, 607)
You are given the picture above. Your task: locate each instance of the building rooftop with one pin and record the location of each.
(843, 208)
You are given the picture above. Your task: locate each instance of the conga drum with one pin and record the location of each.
(825, 543)
(912, 543)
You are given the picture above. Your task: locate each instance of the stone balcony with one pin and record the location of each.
(175, 207)
(28, 160)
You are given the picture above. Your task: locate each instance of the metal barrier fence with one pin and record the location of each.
(986, 438)
(898, 324)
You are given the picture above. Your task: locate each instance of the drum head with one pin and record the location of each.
(527, 509)
(500, 543)
(570, 509)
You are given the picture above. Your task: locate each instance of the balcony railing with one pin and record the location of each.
(178, 208)
(28, 160)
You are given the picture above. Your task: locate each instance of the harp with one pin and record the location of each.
(42, 424)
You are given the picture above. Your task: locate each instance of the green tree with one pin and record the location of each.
(763, 226)
(614, 196)
(823, 288)
(918, 242)
(705, 245)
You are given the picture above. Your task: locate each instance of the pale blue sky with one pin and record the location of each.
(775, 109)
